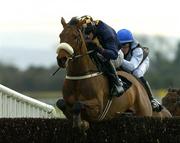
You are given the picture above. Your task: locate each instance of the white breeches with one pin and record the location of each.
(117, 63)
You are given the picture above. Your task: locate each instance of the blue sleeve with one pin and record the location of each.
(108, 40)
(110, 51)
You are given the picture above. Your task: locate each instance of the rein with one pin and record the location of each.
(79, 56)
(83, 76)
(74, 57)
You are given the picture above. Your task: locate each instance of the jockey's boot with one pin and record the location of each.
(116, 83)
(156, 106)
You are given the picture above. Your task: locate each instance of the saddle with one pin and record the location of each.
(99, 61)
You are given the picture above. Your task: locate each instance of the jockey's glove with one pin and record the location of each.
(93, 46)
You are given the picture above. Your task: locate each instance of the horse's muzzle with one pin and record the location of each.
(62, 62)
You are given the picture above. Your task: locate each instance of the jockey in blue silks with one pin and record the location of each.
(109, 50)
(136, 61)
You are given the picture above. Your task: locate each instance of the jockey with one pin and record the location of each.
(107, 49)
(136, 61)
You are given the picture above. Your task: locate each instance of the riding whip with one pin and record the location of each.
(56, 71)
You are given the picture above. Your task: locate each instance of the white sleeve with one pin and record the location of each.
(137, 57)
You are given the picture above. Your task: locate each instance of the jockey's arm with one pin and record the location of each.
(110, 50)
(107, 36)
(137, 56)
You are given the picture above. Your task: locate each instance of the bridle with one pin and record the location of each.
(80, 44)
(80, 56)
(74, 56)
(77, 56)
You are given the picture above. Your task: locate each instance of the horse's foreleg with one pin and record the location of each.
(61, 104)
(73, 113)
(78, 123)
(77, 115)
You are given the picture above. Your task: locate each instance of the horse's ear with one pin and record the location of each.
(63, 22)
(169, 89)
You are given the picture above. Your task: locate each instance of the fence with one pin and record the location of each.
(14, 104)
(121, 130)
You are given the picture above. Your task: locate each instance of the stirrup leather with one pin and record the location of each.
(156, 105)
(117, 91)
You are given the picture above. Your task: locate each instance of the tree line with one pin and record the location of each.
(164, 73)
(32, 79)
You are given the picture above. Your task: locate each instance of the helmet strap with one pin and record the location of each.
(128, 50)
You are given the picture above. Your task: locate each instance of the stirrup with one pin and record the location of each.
(117, 91)
(156, 105)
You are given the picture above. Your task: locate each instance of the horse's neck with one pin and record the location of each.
(81, 66)
(93, 92)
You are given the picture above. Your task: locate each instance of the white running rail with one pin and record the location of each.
(15, 105)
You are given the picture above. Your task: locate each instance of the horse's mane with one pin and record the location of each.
(74, 21)
(171, 97)
(174, 90)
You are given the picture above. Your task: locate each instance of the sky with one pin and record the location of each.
(35, 24)
(30, 20)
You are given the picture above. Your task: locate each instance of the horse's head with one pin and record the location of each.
(172, 101)
(71, 41)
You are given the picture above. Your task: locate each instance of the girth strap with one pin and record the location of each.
(106, 109)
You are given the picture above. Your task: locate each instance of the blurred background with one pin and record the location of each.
(29, 35)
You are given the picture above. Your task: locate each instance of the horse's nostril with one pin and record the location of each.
(64, 59)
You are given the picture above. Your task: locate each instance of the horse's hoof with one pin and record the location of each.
(84, 125)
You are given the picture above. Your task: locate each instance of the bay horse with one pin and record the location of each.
(86, 89)
(172, 101)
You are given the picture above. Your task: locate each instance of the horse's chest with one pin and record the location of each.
(78, 89)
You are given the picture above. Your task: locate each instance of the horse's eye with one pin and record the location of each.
(75, 37)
